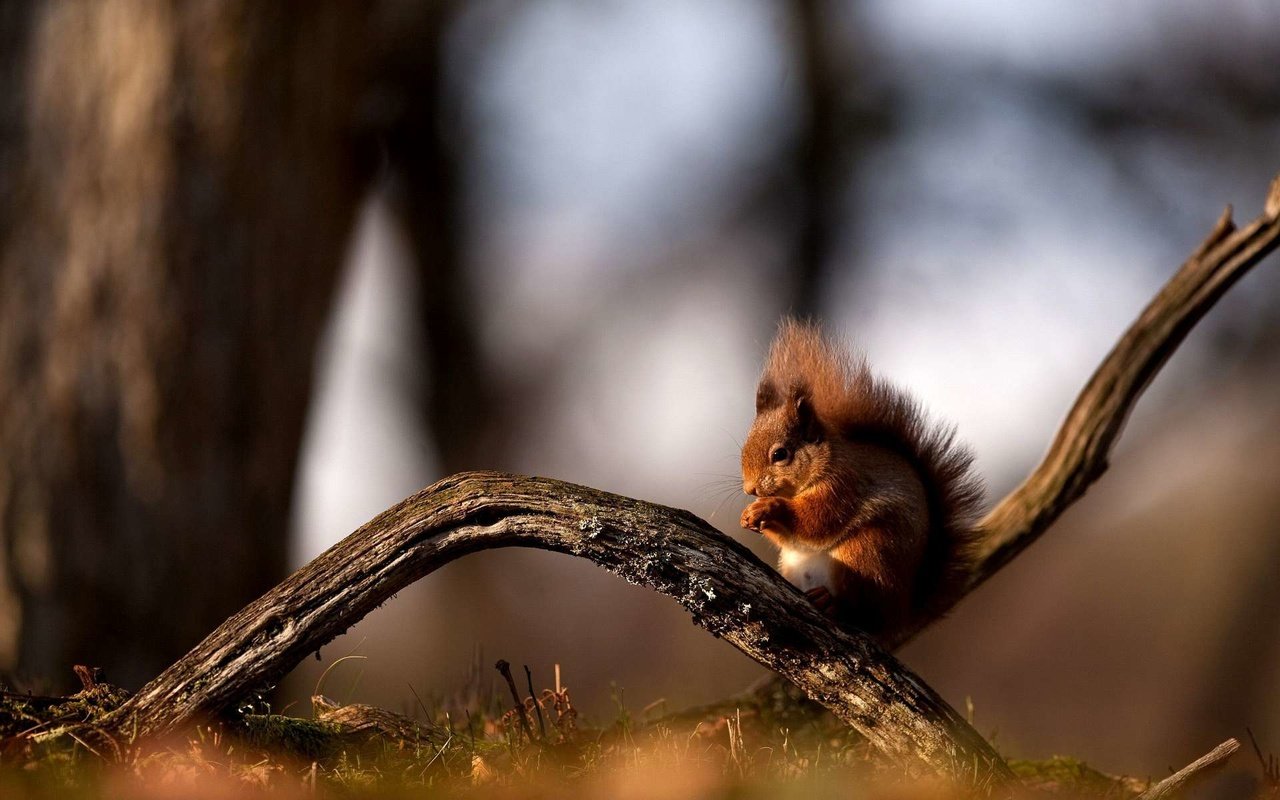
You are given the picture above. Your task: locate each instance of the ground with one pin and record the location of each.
(767, 743)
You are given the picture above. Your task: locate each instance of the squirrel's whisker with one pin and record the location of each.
(728, 495)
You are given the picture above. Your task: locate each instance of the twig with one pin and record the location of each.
(471, 729)
(434, 758)
(1269, 763)
(505, 668)
(418, 700)
(542, 727)
(89, 677)
(328, 669)
(1194, 772)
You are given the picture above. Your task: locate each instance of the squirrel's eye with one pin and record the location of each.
(779, 455)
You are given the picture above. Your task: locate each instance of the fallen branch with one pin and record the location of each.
(728, 590)
(1192, 773)
(505, 668)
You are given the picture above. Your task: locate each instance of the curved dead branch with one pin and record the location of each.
(1078, 455)
(728, 590)
(1082, 445)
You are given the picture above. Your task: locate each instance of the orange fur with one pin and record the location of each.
(847, 465)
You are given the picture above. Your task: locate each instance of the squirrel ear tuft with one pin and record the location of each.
(766, 396)
(806, 421)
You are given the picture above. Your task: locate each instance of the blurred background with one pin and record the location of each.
(265, 269)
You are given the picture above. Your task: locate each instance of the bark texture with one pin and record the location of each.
(178, 186)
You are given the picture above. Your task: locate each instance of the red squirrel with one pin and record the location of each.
(872, 504)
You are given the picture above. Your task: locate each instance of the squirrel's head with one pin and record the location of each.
(786, 446)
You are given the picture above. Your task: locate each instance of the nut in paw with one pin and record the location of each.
(767, 513)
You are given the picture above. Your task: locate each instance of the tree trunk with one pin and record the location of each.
(178, 187)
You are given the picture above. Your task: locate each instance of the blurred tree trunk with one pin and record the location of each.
(818, 153)
(426, 145)
(178, 187)
(846, 105)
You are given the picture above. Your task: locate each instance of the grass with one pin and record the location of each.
(768, 744)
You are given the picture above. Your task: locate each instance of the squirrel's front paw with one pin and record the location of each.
(768, 513)
(821, 597)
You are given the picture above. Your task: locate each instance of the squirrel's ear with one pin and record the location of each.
(806, 424)
(766, 396)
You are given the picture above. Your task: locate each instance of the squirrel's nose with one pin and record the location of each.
(749, 487)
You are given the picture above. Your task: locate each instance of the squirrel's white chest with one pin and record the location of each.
(807, 569)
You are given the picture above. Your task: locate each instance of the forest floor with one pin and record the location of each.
(769, 743)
